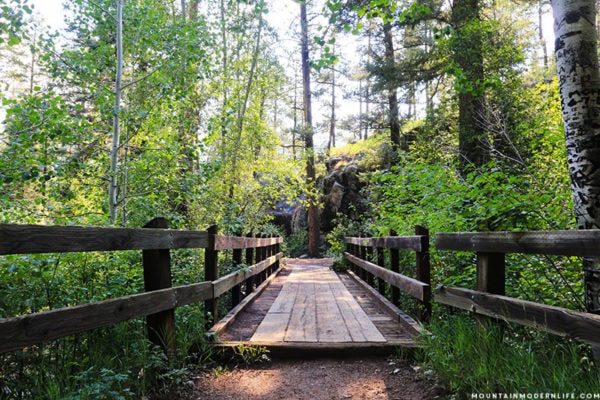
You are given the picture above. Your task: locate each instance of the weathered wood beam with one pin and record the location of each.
(28, 239)
(417, 289)
(582, 242)
(556, 320)
(415, 243)
(235, 242)
(27, 330)
(227, 282)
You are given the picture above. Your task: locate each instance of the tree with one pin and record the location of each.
(116, 136)
(579, 78)
(313, 212)
(466, 48)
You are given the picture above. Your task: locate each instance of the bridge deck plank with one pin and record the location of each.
(310, 310)
(315, 306)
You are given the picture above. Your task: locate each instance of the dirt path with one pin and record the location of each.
(378, 378)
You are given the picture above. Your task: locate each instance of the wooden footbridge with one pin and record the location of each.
(309, 309)
(286, 306)
(299, 306)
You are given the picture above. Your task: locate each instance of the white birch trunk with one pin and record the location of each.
(579, 80)
(116, 137)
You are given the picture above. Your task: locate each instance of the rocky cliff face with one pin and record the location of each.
(340, 194)
(341, 191)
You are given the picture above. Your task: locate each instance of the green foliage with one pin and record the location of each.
(498, 358)
(12, 14)
(297, 244)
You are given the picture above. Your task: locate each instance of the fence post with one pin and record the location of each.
(491, 273)
(157, 275)
(236, 290)
(424, 272)
(249, 263)
(395, 267)
(211, 272)
(381, 263)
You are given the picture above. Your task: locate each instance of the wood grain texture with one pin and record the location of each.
(409, 324)
(23, 331)
(414, 243)
(315, 307)
(29, 239)
(567, 243)
(235, 242)
(555, 320)
(417, 289)
(227, 282)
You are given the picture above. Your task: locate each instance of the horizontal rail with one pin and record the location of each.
(236, 243)
(27, 330)
(226, 282)
(585, 243)
(551, 319)
(414, 287)
(29, 239)
(415, 243)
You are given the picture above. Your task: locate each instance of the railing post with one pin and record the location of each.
(381, 263)
(369, 257)
(362, 250)
(236, 290)
(157, 275)
(277, 249)
(395, 267)
(424, 272)
(249, 262)
(491, 273)
(211, 272)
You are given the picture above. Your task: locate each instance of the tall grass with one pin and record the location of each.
(495, 357)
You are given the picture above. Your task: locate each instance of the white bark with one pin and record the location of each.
(579, 80)
(116, 137)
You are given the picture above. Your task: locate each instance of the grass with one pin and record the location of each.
(499, 358)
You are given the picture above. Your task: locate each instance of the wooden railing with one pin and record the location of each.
(360, 252)
(159, 301)
(488, 299)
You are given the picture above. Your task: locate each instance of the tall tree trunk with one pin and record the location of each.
(242, 112)
(541, 33)
(579, 77)
(467, 53)
(313, 212)
(392, 89)
(116, 137)
(193, 10)
(367, 84)
(332, 116)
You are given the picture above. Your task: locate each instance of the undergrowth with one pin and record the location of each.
(495, 357)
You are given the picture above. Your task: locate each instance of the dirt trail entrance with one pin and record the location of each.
(349, 378)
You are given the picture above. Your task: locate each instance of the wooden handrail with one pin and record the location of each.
(160, 300)
(414, 243)
(415, 288)
(32, 239)
(584, 242)
(360, 250)
(489, 297)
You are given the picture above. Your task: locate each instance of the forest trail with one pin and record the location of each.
(382, 378)
(349, 377)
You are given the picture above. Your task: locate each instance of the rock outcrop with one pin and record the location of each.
(341, 189)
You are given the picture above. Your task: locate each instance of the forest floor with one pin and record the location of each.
(383, 377)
